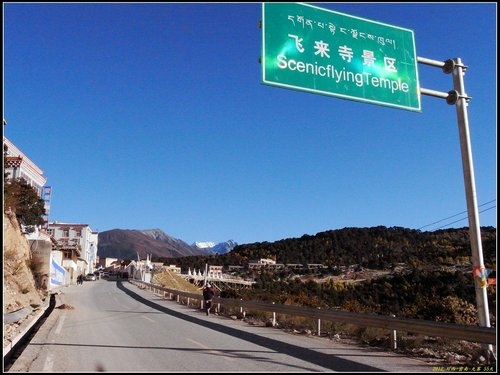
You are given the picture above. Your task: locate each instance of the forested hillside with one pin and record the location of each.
(376, 248)
(426, 275)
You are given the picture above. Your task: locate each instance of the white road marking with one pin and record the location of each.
(145, 317)
(218, 352)
(60, 323)
(49, 364)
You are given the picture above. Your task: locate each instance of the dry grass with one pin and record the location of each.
(169, 279)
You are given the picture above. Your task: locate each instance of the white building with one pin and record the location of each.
(18, 165)
(78, 242)
(252, 264)
(174, 269)
(215, 271)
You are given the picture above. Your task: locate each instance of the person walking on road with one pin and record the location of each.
(208, 294)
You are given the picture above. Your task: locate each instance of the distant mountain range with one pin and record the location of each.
(129, 243)
(212, 248)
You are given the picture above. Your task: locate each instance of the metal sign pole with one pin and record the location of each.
(458, 70)
(460, 98)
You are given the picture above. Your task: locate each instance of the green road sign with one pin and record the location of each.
(325, 52)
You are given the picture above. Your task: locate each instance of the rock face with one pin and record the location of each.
(19, 288)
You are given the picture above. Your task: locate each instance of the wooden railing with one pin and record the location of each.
(485, 335)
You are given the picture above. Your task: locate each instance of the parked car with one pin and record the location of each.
(90, 277)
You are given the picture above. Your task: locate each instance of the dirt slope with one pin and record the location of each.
(19, 289)
(171, 280)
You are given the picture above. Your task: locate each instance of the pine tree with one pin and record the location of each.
(22, 199)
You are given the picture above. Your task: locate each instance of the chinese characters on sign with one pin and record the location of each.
(325, 52)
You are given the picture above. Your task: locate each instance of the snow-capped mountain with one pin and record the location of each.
(129, 243)
(212, 248)
(204, 245)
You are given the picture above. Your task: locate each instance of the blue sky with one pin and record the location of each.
(154, 115)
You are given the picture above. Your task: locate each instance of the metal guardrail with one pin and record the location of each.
(485, 335)
(26, 328)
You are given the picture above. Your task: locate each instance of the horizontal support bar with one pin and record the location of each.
(437, 94)
(431, 62)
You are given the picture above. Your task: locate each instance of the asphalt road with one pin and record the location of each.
(113, 326)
